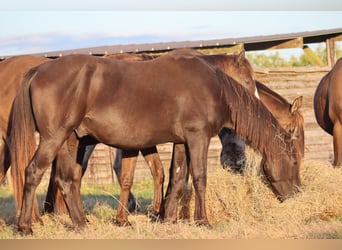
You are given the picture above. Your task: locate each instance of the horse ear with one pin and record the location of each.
(241, 57)
(297, 103)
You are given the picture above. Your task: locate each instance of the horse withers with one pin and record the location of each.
(328, 108)
(139, 105)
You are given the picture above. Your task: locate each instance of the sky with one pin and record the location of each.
(37, 26)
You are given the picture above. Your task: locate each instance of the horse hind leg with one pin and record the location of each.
(68, 179)
(54, 201)
(129, 159)
(177, 180)
(337, 142)
(132, 205)
(42, 159)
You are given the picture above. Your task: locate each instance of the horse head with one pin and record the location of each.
(282, 171)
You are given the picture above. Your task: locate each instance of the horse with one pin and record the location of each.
(12, 71)
(134, 105)
(287, 114)
(233, 147)
(328, 108)
(236, 65)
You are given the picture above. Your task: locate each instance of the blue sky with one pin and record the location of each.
(36, 26)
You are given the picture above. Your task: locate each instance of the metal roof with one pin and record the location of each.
(249, 43)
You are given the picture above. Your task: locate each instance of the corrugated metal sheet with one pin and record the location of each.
(250, 43)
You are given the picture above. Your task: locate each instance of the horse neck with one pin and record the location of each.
(275, 103)
(252, 121)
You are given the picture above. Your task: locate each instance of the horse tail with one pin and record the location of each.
(22, 138)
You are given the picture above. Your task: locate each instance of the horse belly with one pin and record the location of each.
(123, 132)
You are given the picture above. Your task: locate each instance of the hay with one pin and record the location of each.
(247, 204)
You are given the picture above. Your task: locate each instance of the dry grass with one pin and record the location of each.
(239, 206)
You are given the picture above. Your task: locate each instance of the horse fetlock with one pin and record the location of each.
(79, 227)
(122, 222)
(24, 228)
(204, 223)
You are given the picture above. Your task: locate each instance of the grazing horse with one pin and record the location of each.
(287, 114)
(134, 105)
(328, 108)
(289, 117)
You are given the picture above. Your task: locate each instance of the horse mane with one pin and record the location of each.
(296, 120)
(253, 121)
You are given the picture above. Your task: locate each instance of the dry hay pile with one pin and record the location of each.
(246, 207)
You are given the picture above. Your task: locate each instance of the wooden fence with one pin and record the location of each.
(288, 82)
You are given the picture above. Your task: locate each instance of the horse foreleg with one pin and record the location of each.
(153, 161)
(337, 141)
(129, 159)
(198, 148)
(177, 180)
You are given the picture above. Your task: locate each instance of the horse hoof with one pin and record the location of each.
(125, 223)
(155, 217)
(80, 228)
(40, 221)
(204, 224)
(25, 230)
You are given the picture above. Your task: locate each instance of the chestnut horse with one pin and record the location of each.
(134, 105)
(12, 71)
(289, 117)
(328, 108)
(236, 66)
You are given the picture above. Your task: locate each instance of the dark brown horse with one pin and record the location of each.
(233, 147)
(12, 72)
(328, 108)
(236, 66)
(134, 105)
